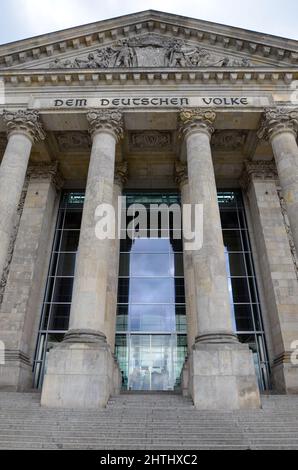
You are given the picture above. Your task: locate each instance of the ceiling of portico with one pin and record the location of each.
(149, 39)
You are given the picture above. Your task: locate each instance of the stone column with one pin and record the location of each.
(280, 126)
(81, 370)
(24, 289)
(279, 268)
(23, 129)
(121, 174)
(181, 177)
(222, 374)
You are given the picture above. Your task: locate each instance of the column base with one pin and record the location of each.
(80, 374)
(222, 377)
(285, 377)
(16, 373)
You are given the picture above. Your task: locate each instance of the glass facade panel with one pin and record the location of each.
(151, 341)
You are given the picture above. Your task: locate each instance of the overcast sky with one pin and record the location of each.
(25, 18)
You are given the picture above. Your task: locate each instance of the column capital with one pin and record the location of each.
(46, 171)
(278, 120)
(196, 120)
(24, 122)
(106, 120)
(181, 174)
(260, 170)
(121, 173)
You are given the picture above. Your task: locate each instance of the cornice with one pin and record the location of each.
(259, 46)
(40, 77)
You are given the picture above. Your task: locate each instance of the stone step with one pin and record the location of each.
(147, 422)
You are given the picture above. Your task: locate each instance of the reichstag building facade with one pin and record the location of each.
(161, 110)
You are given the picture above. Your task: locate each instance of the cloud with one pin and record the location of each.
(25, 18)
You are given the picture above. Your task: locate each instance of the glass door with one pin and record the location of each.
(151, 364)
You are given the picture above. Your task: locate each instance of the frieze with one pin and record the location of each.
(150, 51)
(228, 140)
(150, 140)
(69, 142)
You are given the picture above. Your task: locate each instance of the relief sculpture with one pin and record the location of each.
(151, 51)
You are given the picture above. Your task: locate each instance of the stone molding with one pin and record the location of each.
(24, 122)
(46, 171)
(287, 224)
(121, 174)
(196, 119)
(284, 358)
(106, 120)
(260, 169)
(15, 355)
(181, 174)
(278, 120)
(215, 76)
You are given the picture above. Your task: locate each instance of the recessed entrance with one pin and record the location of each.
(151, 342)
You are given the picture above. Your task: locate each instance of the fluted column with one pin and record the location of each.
(280, 126)
(212, 296)
(221, 370)
(81, 372)
(121, 174)
(181, 177)
(23, 130)
(87, 317)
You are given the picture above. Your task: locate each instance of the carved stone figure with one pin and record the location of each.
(151, 51)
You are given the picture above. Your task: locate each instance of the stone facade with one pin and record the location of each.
(126, 104)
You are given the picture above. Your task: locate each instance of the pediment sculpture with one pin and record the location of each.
(150, 51)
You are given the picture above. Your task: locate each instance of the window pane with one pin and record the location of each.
(244, 319)
(59, 319)
(124, 264)
(73, 220)
(152, 318)
(229, 219)
(63, 289)
(66, 264)
(232, 240)
(144, 290)
(151, 245)
(240, 290)
(179, 268)
(150, 265)
(70, 240)
(237, 264)
(122, 318)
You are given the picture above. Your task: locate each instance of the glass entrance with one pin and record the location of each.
(151, 342)
(151, 364)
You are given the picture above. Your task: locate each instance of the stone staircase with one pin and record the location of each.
(147, 422)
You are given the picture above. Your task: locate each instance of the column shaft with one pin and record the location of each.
(212, 296)
(280, 126)
(220, 372)
(82, 372)
(277, 267)
(12, 176)
(23, 296)
(91, 274)
(285, 150)
(23, 129)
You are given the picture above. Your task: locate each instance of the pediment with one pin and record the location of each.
(150, 40)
